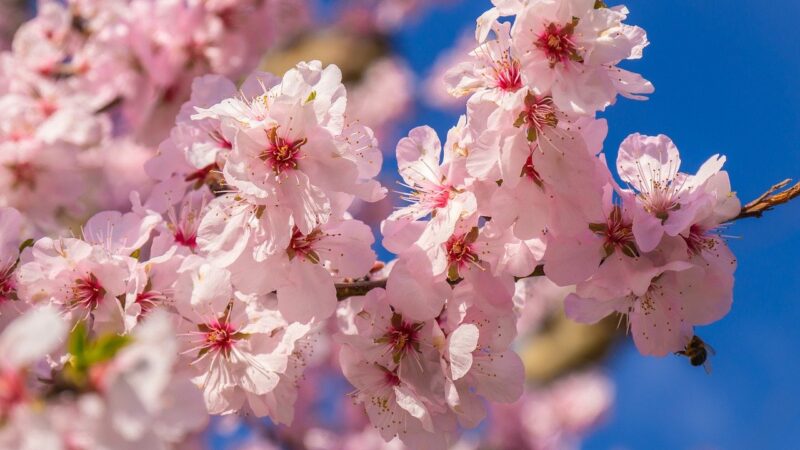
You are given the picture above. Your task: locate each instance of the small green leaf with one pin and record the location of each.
(311, 96)
(106, 347)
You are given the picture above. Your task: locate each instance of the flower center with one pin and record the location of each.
(87, 293)
(184, 226)
(539, 114)
(8, 286)
(460, 253)
(390, 377)
(218, 336)
(660, 199)
(282, 154)
(507, 75)
(148, 300)
(303, 245)
(557, 43)
(401, 338)
(699, 240)
(617, 233)
(23, 175)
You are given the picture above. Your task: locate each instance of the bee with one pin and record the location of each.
(698, 353)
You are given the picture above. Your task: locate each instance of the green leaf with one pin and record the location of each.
(77, 342)
(106, 347)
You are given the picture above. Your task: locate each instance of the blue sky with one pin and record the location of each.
(725, 73)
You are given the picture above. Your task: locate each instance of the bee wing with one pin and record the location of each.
(707, 366)
(710, 349)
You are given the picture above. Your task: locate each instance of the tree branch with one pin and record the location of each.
(776, 195)
(356, 288)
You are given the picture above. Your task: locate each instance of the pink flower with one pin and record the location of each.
(84, 281)
(493, 72)
(395, 407)
(662, 302)
(303, 274)
(669, 201)
(436, 190)
(570, 49)
(239, 351)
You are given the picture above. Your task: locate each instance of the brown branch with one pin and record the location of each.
(776, 195)
(356, 288)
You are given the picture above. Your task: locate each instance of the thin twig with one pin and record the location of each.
(776, 195)
(356, 288)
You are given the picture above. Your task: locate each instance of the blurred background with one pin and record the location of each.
(725, 76)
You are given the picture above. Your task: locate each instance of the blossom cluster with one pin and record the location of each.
(217, 289)
(520, 188)
(88, 86)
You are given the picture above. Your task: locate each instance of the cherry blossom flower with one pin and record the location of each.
(670, 201)
(571, 49)
(84, 281)
(237, 347)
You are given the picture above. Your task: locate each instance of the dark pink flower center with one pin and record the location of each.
(23, 175)
(219, 336)
(148, 300)
(87, 293)
(556, 41)
(401, 338)
(8, 286)
(186, 238)
(507, 75)
(390, 377)
(617, 234)
(282, 154)
(303, 244)
(460, 251)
